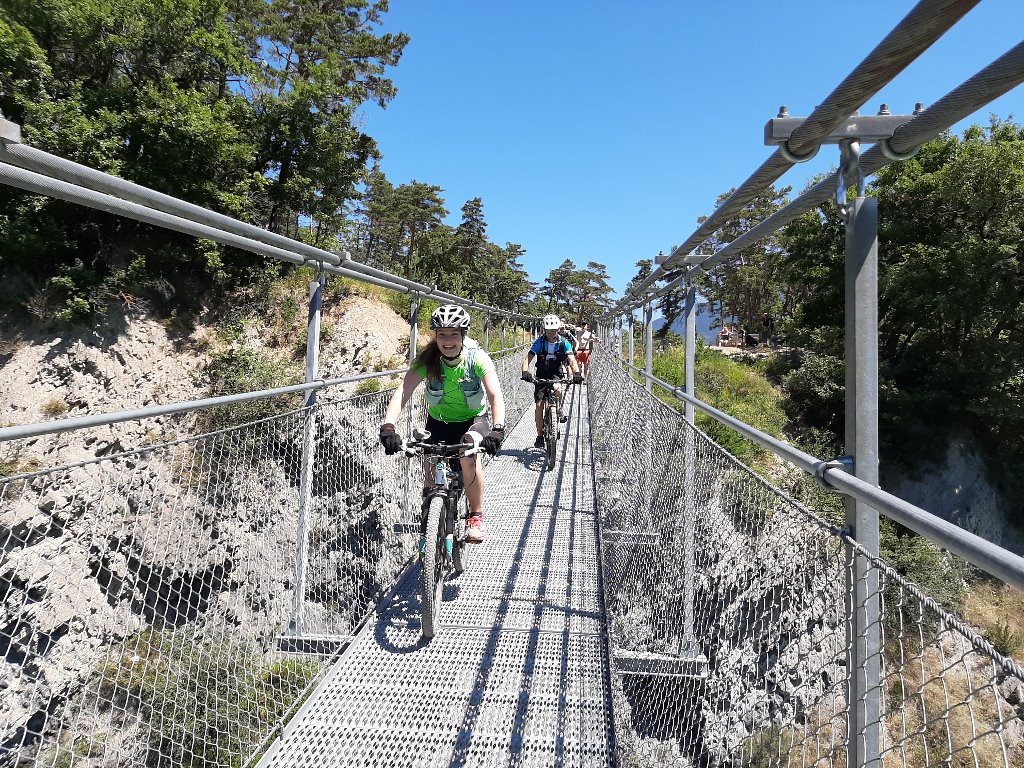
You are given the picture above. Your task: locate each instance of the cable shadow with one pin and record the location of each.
(464, 737)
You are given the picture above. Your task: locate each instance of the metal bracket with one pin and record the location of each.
(867, 128)
(892, 154)
(849, 161)
(856, 128)
(844, 463)
(414, 307)
(791, 156)
(10, 133)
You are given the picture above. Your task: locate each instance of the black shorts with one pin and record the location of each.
(452, 432)
(539, 390)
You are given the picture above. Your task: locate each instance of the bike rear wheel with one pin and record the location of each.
(462, 551)
(432, 570)
(550, 434)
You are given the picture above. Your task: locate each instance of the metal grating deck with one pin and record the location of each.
(517, 674)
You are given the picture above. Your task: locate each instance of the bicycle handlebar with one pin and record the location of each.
(552, 381)
(448, 450)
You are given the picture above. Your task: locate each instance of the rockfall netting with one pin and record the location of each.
(727, 605)
(148, 610)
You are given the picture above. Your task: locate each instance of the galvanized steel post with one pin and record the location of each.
(649, 344)
(690, 468)
(629, 324)
(864, 641)
(308, 454)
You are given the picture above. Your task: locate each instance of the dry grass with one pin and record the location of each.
(54, 407)
(943, 710)
(997, 609)
(818, 741)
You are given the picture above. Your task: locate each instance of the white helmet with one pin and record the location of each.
(449, 316)
(552, 323)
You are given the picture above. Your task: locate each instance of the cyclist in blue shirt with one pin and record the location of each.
(550, 351)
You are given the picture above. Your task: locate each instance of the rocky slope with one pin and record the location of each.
(960, 491)
(128, 576)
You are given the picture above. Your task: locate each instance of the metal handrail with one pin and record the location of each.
(982, 553)
(57, 426)
(37, 171)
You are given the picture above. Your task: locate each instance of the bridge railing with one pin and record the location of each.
(728, 605)
(147, 596)
(167, 600)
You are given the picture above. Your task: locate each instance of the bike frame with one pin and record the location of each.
(448, 484)
(448, 481)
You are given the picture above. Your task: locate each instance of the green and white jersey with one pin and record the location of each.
(460, 396)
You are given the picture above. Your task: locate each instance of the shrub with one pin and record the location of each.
(54, 407)
(1005, 639)
(369, 386)
(942, 577)
(244, 369)
(817, 392)
(200, 704)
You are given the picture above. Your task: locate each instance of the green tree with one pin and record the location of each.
(317, 63)
(243, 106)
(951, 297)
(752, 287)
(644, 267)
(557, 286)
(471, 234)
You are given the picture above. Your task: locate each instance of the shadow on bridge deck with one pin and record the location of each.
(518, 672)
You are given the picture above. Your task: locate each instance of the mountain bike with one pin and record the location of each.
(551, 433)
(443, 545)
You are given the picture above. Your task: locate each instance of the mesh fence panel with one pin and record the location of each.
(139, 594)
(727, 616)
(147, 598)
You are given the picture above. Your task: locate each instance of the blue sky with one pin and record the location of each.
(598, 131)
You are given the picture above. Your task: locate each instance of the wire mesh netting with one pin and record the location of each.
(149, 612)
(727, 606)
(147, 597)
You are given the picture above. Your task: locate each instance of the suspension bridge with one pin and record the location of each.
(243, 591)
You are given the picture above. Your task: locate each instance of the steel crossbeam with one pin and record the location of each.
(518, 673)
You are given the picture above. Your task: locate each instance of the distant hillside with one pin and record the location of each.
(704, 320)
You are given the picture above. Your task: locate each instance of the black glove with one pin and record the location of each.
(527, 376)
(492, 441)
(577, 378)
(390, 439)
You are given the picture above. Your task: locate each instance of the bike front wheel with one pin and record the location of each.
(550, 434)
(432, 570)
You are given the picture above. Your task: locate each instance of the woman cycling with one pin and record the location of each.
(458, 377)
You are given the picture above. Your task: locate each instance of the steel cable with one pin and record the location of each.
(925, 23)
(1001, 76)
